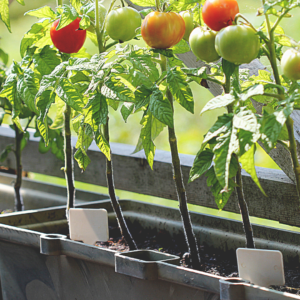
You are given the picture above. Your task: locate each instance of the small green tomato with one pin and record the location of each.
(202, 43)
(290, 64)
(189, 23)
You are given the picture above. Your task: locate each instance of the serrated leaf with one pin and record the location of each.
(43, 129)
(44, 102)
(4, 13)
(161, 108)
(142, 96)
(97, 111)
(247, 161)
(218, 102)
(68, 93)
(228, 67)
(82, 159)
(46, 60)
(3, 57)
(85, 137)
(76, 4)
(28, 86)
(37, 32)
(253, 91)
(123, 92)
(144, 3)
(181, 5)
(202, 163)
(181, 47)
(68, 15)
(42, 12)
(59, 117)
(126, 110)
(180, 89)
(102, 144)
(85, 22)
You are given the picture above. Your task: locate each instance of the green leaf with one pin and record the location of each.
(21, 2)
(44, 102)
(247, 161)
(97, 111)
(181, 47)
(3, 57)
(126, 110)
(42, 12)
(46, 60)
(180, 89)
(201, 164)
(252, 91)
(43, 129)
(59, 117)
(68, 15)
(228, 67)
(181, 5)
(146, 138)
(76, 4)
(161, 108)
(28, 86)
(144, 3)
(142, 96)
(85, 22)
(5, 152)
(122, 91)
(102, 144)
(272, 125)
(37, 32)
(68, 93)
(24, 140)
(82, 159)
(218, 102)
(4, 13)
(85, 137)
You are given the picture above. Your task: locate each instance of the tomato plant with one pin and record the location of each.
(238, 44)
(218, 14)
(68, 39)
(290, 64)
(189, 23)
(122, 23)
(162, 30)
(202, 43)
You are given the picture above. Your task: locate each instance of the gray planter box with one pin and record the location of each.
(44, 264)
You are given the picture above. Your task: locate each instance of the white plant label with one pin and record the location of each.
(261, 267)
(88, 225)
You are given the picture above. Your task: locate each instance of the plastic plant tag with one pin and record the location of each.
(261, 267)
(88, 225)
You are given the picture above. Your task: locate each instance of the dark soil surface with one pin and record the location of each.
(212, 263)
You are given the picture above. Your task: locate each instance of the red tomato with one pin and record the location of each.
(68, 39)
(162, 30)
(218, 14)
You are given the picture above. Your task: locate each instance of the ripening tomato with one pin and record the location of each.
(238, 44)
(68, 39)
(290, 64)
(121, 24)
(218, 14)
(202, 43)
(162, 30)
(189, 23)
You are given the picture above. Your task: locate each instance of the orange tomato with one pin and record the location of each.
(162, 30)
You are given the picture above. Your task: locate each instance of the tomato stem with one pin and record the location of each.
(181, 192)
(289, 123)
(239, 182)
(69, 164)
(59, 2)
(99, 33)
(157, 4)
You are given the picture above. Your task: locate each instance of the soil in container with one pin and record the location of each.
(213, 263)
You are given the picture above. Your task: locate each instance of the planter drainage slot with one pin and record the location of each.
(142, 263)
(50, 244)
(88, 225)
(261, 267)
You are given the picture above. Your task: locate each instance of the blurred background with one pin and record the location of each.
(190, 128)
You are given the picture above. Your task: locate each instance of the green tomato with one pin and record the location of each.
(121, 24)
(290, 64)
(189, 23)
(202, 43)
(239, 44)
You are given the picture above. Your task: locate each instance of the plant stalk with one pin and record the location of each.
(181, 192)
(114, 201)
(289, 121)
(69, 165)
(19, 204)
(239, 188)
(59, 2)
(109, 168)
